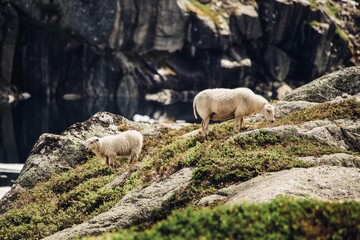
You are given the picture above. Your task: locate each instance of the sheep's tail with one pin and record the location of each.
(194, 107)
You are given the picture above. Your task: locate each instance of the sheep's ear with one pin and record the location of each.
(269, 106)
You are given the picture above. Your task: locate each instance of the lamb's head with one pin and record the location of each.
(268, 111)
(92, 143)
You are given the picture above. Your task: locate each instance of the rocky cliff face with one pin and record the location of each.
(311, 151)
(128, 48)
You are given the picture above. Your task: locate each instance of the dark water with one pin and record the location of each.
(22, 123)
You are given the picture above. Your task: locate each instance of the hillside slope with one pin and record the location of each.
(310, 152)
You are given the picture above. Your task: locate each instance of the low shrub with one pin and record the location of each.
(282, 218)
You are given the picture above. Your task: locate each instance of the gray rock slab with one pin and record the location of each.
(322, 182)
(343, 134)
(336, 159)
(283, 108)
(211, 200)
(344, 82)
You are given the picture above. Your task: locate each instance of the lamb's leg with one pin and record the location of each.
(112, 162)
(107, 161)
(133, 157)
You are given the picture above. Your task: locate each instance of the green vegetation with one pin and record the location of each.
(314, 5)
(282, 218)
(346, 109)
(66, 199)
(220, 159)
(342, 34)
(333, 10)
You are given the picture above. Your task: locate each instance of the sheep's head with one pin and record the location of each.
(268, 111)
(92, 143)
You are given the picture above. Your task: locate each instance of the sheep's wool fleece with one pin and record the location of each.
(225, 94)
(219, 99)
(121, 144)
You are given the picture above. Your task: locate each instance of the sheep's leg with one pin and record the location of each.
(107, 161)
(133, 157)
(111, 161)
(205, 126)
(241, 122)
(115, 163)
(238, 123)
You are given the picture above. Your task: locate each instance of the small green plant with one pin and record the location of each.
(261, 138)
(332, 9)
(206, 10)
(314, 5)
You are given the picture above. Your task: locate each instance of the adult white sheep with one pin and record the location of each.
(128, 143)
(223, 104)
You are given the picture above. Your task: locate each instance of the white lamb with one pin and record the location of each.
(224, 104)
(128, 143)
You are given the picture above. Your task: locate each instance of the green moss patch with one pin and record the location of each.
(346, 109)
(282, 218)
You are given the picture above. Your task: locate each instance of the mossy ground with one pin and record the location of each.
(346, 109)
(282, 218)
(220, 159)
